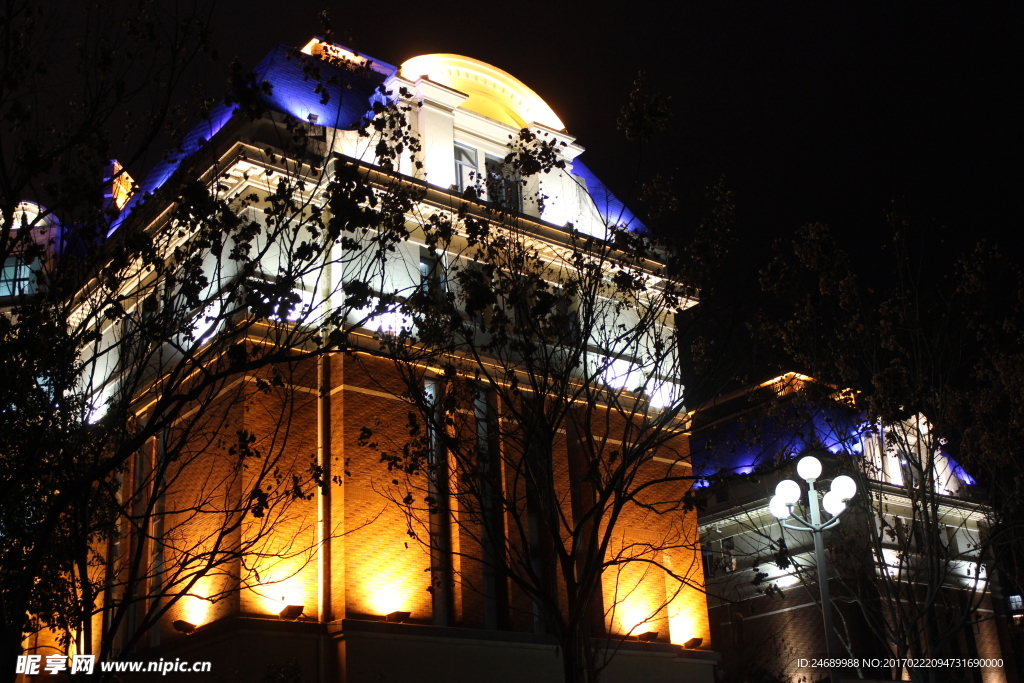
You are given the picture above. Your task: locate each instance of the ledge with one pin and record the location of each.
(381, 628)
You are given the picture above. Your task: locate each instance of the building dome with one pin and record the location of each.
(492, 92)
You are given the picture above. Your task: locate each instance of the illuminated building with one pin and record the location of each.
(765, 617)
(337, 587)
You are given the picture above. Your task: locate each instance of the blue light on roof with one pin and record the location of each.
(348, 97)
(348, 93)
(959, 472)
(612, 210)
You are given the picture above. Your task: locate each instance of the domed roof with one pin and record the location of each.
(492, 92)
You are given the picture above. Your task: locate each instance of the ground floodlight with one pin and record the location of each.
(789, 491)
(182, 626)
(397, 617)
(292, 611)
(809, 468)
(648, 637)
(833, 503)
(693, 643)
(779, 509)
(845, 487)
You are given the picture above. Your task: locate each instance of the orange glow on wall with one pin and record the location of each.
(387, 572)
(634, 600)
(272, 598)
(681, 625)
(195, 609)
(285, 582)
(687, 609)
(389, 598)
(394, 587)
(634, 619)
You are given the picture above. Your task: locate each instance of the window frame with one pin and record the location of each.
(15, 277)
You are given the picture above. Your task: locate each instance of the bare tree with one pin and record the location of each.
(918, 556)
(134, 335)
(907, 567)
(546, 463)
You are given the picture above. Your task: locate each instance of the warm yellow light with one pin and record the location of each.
(274, 596)
(634, 618)
(388, 597)
(338, 54)
(195, 610)
(687, 617)
(392, 577)
(319, 48)
(121, 185)
(492, 92)
(680, 625)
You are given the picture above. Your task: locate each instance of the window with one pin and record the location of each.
(911, 469)
(441, 571)
(503, 186)
(431, 274)
(1016, 604)
(708, 555)
(565, 318)
(465, 167)
(492, 531)
(476, 291)
(14, 280)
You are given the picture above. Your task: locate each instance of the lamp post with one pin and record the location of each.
(788, 494)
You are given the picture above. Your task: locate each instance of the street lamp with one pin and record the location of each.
(788, 494)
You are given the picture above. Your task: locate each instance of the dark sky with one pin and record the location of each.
(813, 111)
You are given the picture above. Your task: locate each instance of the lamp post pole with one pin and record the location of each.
(788, 494)
(819, 556)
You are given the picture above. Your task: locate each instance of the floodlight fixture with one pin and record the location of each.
(292, 611)
(693, 643)
(397, 617)
(648, 637)
(182, 626)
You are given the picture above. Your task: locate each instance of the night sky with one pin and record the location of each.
(821, 111)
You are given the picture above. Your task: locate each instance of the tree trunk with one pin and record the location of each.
(10, 648)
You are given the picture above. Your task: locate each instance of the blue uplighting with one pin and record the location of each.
(743, 446)
(612, 210)
(343, 102)
(348, 94)
(959, 472)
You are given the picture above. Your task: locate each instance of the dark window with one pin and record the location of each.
(503, 186)
(911, 470)
(477, 290)
(431, 275)
(14, 279)
(565, 319)
(492, 531)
